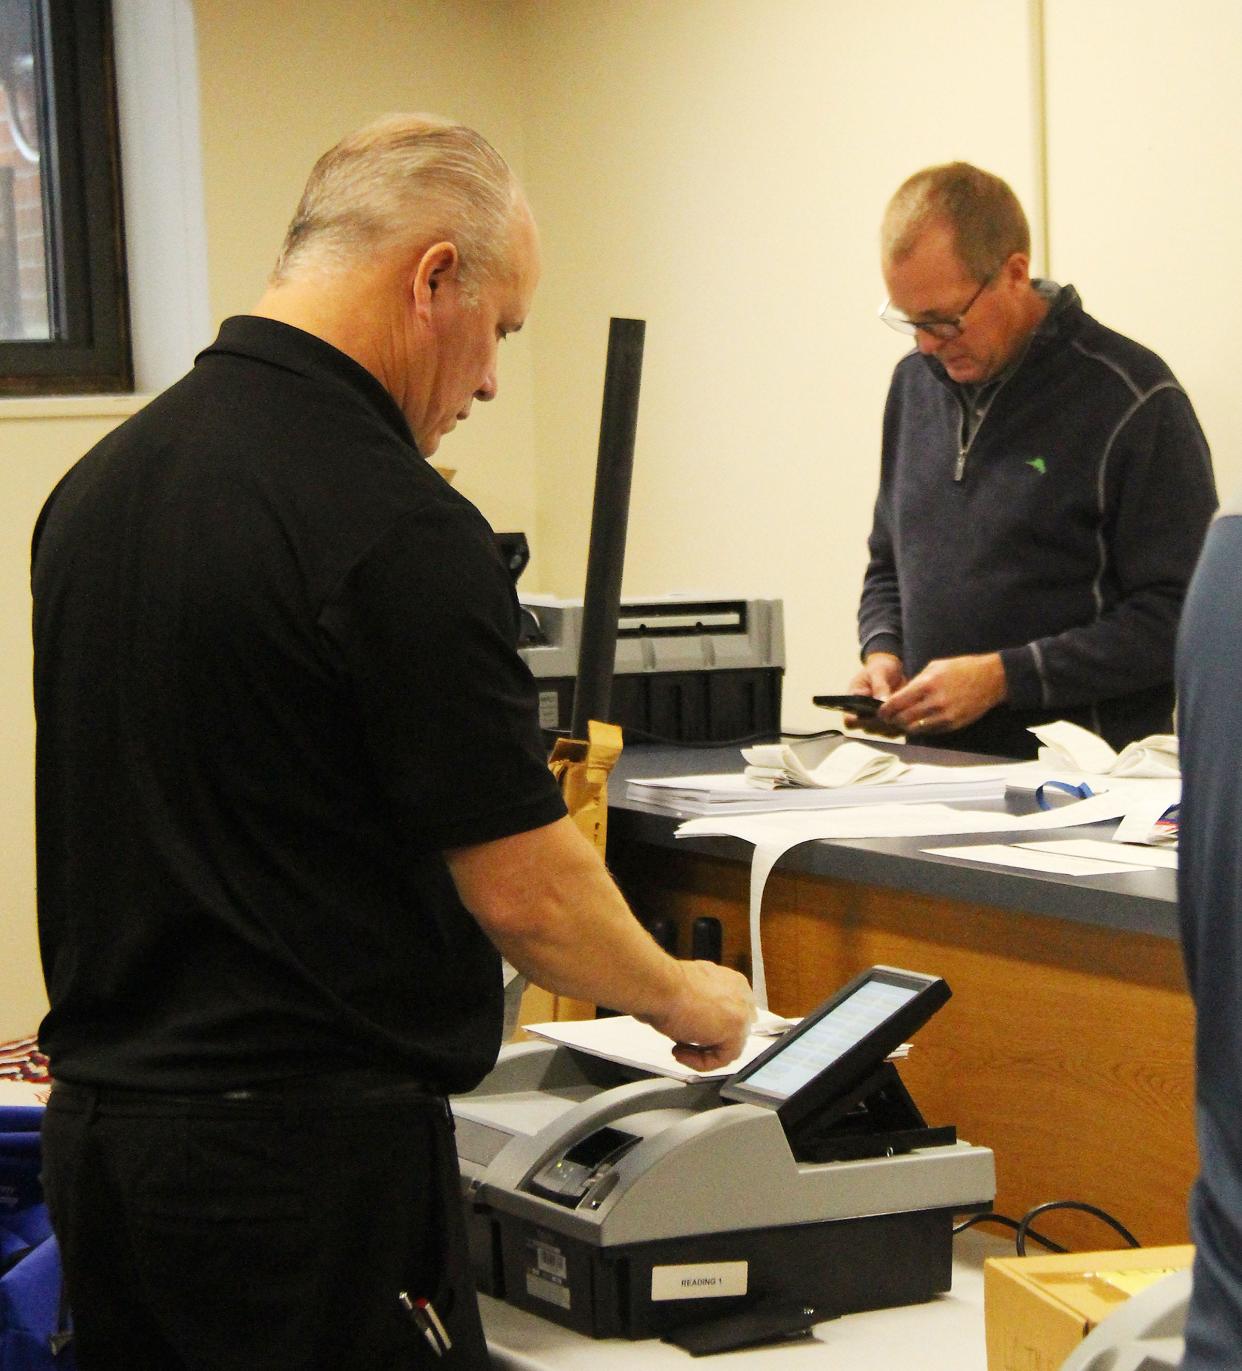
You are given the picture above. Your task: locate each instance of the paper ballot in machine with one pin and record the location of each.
(625, 1207)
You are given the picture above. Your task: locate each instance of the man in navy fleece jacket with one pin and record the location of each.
(1044, 492)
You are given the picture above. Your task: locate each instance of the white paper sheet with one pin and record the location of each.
(897, 821)
(1032, 857)
(621, 1038)
(1069, 745)
(840, 762)
(1138, 825)
(1108, 851)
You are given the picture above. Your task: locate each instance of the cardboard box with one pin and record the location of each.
(1038, 1309)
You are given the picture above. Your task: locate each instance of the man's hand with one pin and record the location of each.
(947, 694)
(709, 1019)
(882, 674)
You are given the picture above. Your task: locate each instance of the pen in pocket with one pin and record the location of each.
(424, 1317)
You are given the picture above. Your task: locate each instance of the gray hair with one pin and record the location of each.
(984, 214)
(402, 179)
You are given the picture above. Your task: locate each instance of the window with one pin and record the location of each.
(63, 316)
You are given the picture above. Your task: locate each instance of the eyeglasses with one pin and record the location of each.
(943, 329)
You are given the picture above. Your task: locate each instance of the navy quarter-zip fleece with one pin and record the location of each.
(1062, 533)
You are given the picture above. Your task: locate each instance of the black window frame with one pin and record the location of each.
(88, 299)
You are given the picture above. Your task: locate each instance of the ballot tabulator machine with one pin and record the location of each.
(624, 1205)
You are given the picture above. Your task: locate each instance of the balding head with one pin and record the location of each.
(980, 211)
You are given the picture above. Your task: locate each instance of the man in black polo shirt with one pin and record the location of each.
(292, 799)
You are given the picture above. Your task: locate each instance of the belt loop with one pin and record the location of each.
(87, 1095)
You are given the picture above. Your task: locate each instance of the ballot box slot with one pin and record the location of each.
(656, 619)
(569, 1178)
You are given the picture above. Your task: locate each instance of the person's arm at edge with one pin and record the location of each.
(546, 900)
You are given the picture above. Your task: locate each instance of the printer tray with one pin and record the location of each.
(679, 706)
(841, 1266)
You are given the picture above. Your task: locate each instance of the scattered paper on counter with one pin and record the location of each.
(776, 833)
(1108, 851)
(1032, 857)
(1070, 746)
(1140, 823)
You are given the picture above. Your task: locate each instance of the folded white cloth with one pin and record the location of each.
(1068, 745)
(844, 762)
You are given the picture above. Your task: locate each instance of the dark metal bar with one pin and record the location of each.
(609, 519)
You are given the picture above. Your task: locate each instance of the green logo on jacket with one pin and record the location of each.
(1039, 464)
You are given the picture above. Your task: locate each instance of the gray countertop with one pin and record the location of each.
(1138, 902)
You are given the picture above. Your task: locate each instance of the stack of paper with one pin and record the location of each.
(732, 793)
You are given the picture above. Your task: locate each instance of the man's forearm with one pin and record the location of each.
(550, 906)
(548, 903)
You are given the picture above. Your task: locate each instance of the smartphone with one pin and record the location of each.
(862, 705)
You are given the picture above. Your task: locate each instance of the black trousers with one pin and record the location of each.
(260, 1232)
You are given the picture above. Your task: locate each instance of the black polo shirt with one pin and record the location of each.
(275, 677)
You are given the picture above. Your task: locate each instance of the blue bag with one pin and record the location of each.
(34, 1332)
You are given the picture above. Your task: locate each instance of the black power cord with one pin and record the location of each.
(1006, 1222)
(1023, 1229)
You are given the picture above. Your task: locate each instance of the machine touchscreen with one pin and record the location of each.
(837, 1046)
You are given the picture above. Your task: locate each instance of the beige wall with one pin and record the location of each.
(1145, 186)
(716, 167)
(282, 81)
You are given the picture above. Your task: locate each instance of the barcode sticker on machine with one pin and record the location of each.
(547, 1274)
(550, 1260)
(699, 1281)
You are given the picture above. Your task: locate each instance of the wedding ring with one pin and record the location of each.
(920, 724)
